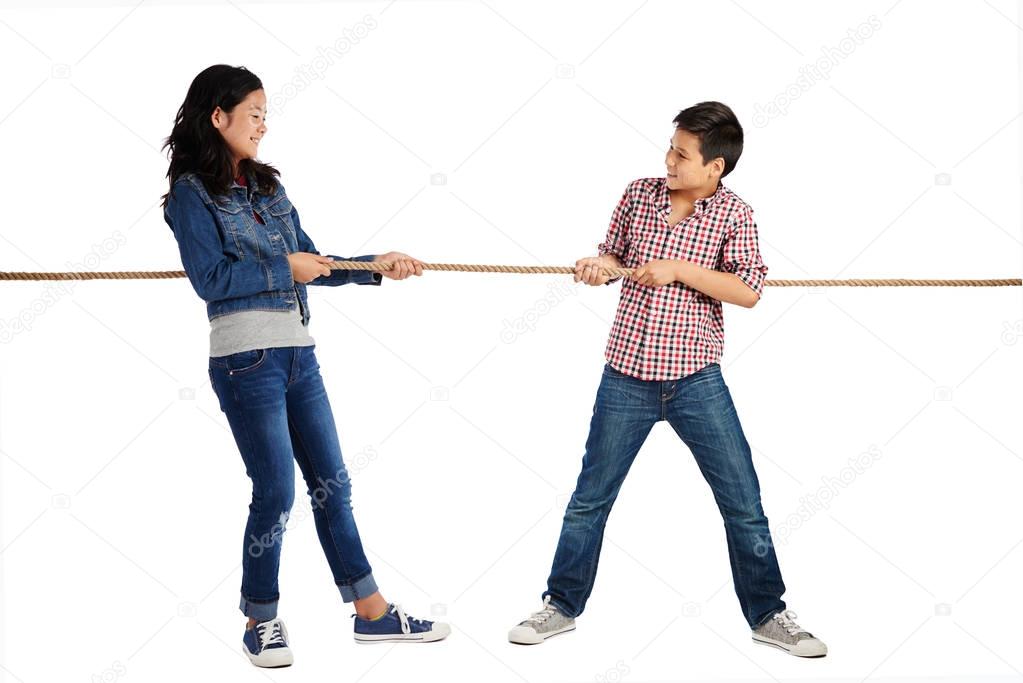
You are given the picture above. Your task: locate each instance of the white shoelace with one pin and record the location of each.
(403, 618)
(270, 633)
(787, 621)
(543, 615)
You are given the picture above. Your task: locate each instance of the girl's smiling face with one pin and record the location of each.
(244, 127)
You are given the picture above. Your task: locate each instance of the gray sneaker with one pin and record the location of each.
(541, 625)
(781, 631)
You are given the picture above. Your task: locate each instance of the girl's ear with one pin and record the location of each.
(217, 117)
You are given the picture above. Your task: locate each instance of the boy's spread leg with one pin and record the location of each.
(702, 414)
(624, 412)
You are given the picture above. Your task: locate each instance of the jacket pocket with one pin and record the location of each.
(281, 207)
(280, 212)
(238, 228)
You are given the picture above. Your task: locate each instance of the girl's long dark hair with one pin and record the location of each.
(196, 146)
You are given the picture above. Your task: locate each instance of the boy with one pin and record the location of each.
(694, 245)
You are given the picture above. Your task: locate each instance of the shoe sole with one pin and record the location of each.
(269, 663)
(781, 646)
(542, 638)
(428, 637)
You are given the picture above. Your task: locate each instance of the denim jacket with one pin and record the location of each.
(236, 264)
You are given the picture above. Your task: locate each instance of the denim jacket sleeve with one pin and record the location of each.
(212, 274)
(336, 277)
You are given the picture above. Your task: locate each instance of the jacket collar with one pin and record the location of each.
(250, 181)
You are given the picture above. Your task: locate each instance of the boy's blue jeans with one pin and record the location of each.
(699, 408)
(277, 406)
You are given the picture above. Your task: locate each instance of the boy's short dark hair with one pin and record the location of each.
(718, 129)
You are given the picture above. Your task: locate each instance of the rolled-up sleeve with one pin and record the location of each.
(740, 253)
(616, 242)
(213, 275)
(337, 276)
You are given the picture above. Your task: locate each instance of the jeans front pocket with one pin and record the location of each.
(612, 371)
(243, 362)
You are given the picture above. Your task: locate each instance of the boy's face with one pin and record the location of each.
(685, 166)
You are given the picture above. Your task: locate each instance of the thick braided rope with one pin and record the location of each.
(479, 268)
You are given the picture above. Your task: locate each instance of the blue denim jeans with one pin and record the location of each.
(699, 408)
(277, 407)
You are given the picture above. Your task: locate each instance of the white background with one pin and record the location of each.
(124, 496)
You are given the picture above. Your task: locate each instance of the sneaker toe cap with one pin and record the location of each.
(524, 635)
(272, 657)
(439, 631)
(810, 647)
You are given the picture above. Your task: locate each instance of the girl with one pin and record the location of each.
(246, 255)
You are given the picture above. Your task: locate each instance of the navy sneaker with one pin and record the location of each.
(395, 625)
(266, 644)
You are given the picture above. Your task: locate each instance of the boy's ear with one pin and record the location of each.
(718, 166)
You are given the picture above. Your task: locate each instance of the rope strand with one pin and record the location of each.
(526, 270)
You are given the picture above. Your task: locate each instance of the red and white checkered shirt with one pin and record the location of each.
(666, 333)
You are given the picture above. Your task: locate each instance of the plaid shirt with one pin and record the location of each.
(666, 333)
